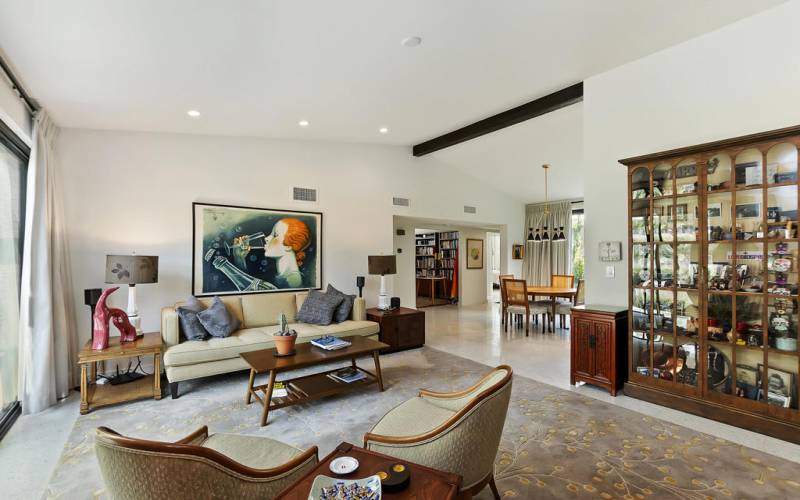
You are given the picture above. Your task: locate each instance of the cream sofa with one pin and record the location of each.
(258, 315)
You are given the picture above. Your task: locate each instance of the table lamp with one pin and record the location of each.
(383, 265)
(132, 270)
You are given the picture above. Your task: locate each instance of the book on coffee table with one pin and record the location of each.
(348, 375)
(330, 343)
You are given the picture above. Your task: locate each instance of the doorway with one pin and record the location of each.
(493, 266)
(436, 267)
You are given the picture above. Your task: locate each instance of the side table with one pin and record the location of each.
(401, 328)
(96, 395)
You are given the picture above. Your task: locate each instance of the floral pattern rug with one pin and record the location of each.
(556, 443)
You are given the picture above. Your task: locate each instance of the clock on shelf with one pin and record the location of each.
(610, 251)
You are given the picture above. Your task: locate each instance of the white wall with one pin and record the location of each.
(129, 192)
(741, 79)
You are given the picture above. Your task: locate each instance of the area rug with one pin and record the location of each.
(556, 443)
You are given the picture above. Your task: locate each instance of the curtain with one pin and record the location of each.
(47, 333)
(543, 259)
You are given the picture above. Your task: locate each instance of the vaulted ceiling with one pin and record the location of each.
(258, 67)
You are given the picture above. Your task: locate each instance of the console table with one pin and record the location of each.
(402, 328)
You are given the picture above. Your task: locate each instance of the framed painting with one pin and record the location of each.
(474, 254)
(517, 252)
(239, 250)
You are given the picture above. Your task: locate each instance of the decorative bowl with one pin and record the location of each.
(343, 465)
(329, 488)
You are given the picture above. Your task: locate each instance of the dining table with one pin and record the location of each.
(554, 292)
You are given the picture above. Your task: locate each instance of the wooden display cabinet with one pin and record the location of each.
(713, 280)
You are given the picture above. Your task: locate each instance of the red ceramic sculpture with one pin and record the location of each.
(102, 315)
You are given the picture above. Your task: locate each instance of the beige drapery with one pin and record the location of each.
(543, 259)
(48, 341)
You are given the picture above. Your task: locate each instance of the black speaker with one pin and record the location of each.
(360, 284)
(90, 298)
(395, 302)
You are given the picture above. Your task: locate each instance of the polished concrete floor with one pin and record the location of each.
(32, 447)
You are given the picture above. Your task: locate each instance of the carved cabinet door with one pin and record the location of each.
(584, 355)
(603, 355)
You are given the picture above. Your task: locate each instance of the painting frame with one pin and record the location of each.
(477, 261)
(517, 252)
(310, 271)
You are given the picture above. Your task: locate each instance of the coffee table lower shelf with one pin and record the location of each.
(310, 387)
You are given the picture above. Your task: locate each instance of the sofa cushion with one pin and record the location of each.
(344, 309)
(347, 328)
(318, 308)
(232, 303)
(299, 298)
(190, 325)
(263, 309)
(213, 349)
(217, 320)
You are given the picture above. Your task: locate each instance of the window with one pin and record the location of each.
(13, 171)
(577, 243)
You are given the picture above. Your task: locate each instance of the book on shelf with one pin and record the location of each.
(330, 343)
(348, 375)
(279, 390)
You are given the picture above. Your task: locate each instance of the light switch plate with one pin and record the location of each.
(609, 271)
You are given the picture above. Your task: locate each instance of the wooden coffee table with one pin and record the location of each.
(308, 387)
(425, 483)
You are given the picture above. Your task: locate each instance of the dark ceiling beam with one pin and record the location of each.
(537, 107)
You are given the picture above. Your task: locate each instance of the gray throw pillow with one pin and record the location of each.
(318, 308)
(342, 312)
(187, 316)
(217, 321)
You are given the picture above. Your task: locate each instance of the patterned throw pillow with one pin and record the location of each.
(342, 312)
(318, 308)
(187, 315)
(217, 320)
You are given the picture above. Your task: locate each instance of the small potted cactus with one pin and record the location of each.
(284, 338)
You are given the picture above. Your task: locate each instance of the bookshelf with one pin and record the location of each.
(437, 257)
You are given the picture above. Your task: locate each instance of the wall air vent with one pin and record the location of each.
(400, 202)
(304, 194)
(470, 210)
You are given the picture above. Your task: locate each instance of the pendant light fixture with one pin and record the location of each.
(558, 235)
(530, 235)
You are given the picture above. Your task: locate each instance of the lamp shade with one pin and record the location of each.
(131, 269)
(382, 264)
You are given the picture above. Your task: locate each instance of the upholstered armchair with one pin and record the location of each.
(456, 432)
(199, 466)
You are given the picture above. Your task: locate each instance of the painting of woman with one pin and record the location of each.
(251, 250)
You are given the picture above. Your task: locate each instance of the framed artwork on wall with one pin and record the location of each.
(238, 250)
(517, 252)
(474, 254)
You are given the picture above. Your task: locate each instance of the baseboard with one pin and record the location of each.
(9, 418)
(780, 429)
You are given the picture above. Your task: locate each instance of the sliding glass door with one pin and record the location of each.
(13, 168)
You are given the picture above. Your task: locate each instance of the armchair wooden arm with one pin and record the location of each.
(185, 446)
(461, 394)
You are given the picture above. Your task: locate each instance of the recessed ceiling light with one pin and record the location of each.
(303, 123)
(412, 41)
(383, 130)
(193, 113)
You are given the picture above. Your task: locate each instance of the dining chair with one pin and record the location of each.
(517, 301)
(564, 306)
(503, 301)
(562, 281)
